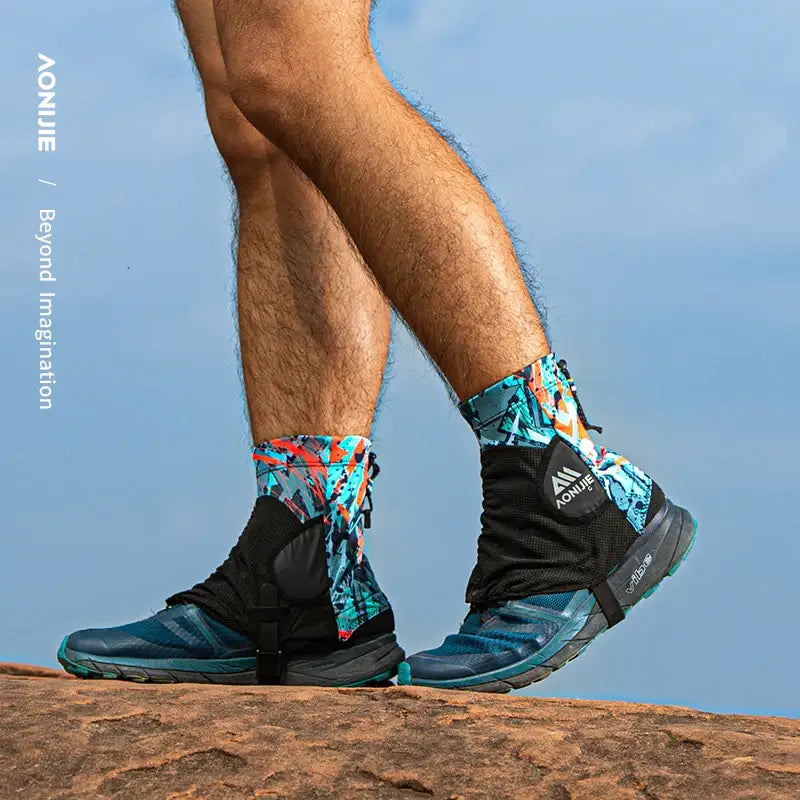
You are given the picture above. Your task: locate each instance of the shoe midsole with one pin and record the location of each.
(372, 656)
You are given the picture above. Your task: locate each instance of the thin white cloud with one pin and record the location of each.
(698, 139)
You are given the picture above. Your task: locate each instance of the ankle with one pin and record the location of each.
(559, 511)
(317, 475)
(302, 550)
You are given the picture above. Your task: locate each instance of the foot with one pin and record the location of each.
(296, 601)
(513, 644)
(183, 644)
(573, 536)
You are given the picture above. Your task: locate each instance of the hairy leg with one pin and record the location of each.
(304, 73)
(313, 325)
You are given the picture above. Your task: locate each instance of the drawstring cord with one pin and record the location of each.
(571, 383)
(374, 471)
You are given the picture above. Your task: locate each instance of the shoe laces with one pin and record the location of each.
(374, 470)
(571, 383)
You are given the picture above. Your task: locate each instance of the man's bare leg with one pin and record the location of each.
(313, 325)
(296, 600)
(572, 535)
(304, 73)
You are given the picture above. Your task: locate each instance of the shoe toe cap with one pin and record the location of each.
(92, 641)
(429, 667)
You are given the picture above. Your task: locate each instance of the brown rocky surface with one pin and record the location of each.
(26, 671)
(65, 739)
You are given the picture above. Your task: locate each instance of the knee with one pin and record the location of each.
(245, 150)
(263, 89)
(279, 74)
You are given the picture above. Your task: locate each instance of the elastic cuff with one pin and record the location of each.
(311, 451)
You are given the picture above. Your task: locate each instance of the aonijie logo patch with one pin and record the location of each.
(569, 483)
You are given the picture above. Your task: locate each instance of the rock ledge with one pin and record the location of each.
(63, 739)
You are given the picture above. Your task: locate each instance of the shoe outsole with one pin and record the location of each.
(596, 622)
(371, 663)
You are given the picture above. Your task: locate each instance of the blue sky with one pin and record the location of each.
(648, 157)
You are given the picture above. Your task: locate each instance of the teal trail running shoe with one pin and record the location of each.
(183, 644)
(510, 645)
